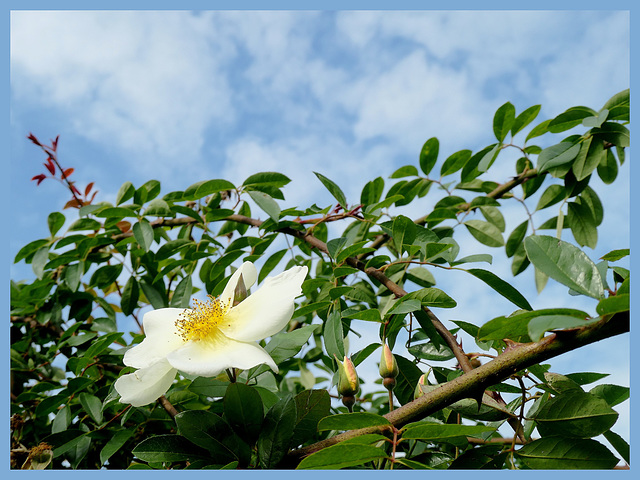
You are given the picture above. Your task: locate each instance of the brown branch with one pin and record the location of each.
(469, 384)
(166, 404)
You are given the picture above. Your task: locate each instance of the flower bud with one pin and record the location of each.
(240, 293)
(418, 391)
(348, 383)
(388, 364)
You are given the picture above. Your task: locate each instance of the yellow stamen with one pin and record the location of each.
(202, 320)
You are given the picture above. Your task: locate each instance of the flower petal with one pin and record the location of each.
(268, 310)
(211, 357)
(249, 276)
(161, 338)
(146, 384)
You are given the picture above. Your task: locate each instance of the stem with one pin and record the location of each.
(504, 366)
(166, 404)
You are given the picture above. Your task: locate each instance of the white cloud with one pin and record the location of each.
(144, 82)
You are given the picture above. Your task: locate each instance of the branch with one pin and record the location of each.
(467, 385)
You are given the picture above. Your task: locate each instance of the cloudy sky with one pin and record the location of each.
(182, 97)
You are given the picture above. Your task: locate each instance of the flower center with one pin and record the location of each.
(201, 321)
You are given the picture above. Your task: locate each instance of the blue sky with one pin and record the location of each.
(181, 97)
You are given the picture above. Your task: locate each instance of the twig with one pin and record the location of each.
(166, 404)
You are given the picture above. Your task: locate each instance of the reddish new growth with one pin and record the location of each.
(53, 167)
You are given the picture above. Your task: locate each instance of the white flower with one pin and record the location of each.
(211, 337)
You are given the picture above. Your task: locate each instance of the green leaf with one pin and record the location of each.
(72, 276)
(143, 233)
(102, 344)
(493, 216)
(589, 157)
(168, 448)
(405, 171)
(333, 189)
(312, 307)
(572, 117)
(372, 191)
(612, 394)
(432, 297)
(92, 405)
(437, 432)
(608, 168)
(524, 119)
(505, 289)
(488, 158)
(515, 327)
(335, 245)
(105, 275)
(155, 298)
(158, 208)
(116, 212)
(421, 276)
(283, 346)
(125, 192)
(544, 323)
(615, 255)
(429, 155)
(503, 121)
(271, 263)
(276, 433)
(561, 383)
(614, 304)
(538, 130)
(614, 133)
(342, 455)
(182, 294)
(487, 457)
(311, 406)
(334, 336)
(352, 421)
(485, 232)
(206, 430)
(352, 250)
(209, 387)
(115, 443)
(455, 162)
(85, 224)
(515, 239)
(618, 106)
(30, 248)
(274, 179)
(266, 203)
(429, 351)
(582, 224)
(575, 414)
(553, 453)
(55, 221)
(552, 195)
(619, 444)
(405, 305)
(130, 296)
(243, 410)
(556, 155)
(39, 260)
(585, 378)
(407, 379)
(208, 187)
(565, 263)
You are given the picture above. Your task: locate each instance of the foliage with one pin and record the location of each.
(152, 250)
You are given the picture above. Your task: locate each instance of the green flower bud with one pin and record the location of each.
(388, 364)
(418, 391)
(348, 383)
